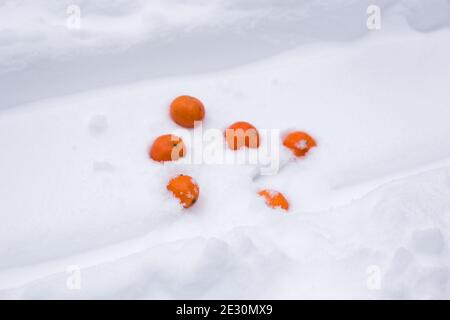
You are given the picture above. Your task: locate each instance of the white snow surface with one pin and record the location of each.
(369, 207)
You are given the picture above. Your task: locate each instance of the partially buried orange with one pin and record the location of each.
(185, 189)
(299, 142)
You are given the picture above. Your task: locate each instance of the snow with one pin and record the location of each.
(369, 207)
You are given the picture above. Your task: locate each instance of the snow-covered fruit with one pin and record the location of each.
(241, 134)
(185, 189)
(185, 110)
(167, 147)
(299, 142)
(274, 199)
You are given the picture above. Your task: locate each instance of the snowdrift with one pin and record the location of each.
(78, 113)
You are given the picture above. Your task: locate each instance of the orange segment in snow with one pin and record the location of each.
(274, 199)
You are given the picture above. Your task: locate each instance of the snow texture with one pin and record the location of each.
(81, 201)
